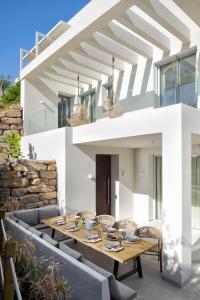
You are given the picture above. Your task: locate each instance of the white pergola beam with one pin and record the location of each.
(147, 8)
(102, 42)
(101, 55)
(163, 10)
(58, 87)
(144, 29)
(64, 80)
(80, 69)
(191, 8)
(71, 75)
(132, 42)
(91, 63)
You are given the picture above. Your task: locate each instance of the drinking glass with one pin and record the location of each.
(120, 241)
(65, 218)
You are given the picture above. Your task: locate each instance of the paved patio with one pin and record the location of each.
(152, 286)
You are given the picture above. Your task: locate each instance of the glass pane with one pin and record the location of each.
(89, 102)
(187, 80)
(168, 84)
(158, 164)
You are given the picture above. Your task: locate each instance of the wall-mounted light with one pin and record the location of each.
(91, 177)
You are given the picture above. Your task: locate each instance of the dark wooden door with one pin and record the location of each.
(103, 184)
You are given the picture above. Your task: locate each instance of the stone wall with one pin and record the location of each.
(28, 184)
(11, 119)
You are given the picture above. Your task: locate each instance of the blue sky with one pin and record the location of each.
(21, 18)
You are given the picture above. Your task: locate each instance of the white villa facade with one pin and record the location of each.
(154, 146)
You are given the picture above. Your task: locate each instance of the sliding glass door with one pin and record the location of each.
(196, 192)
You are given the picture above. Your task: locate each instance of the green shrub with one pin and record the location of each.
(12, 94)
(12, 140)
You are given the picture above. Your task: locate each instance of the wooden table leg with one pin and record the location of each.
(116, 269)
(139, 267)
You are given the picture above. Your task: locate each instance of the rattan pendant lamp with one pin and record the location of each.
(78, 114)
(112, 105)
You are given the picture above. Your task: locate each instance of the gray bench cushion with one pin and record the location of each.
(126, 293)
(12, 217)
(73, 253)
(117, 291)
(35, 231)
(27, 216)
(47, 212)
(48, 239)
(41, 226)
(20, 222)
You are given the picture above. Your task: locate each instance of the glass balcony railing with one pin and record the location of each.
(43, 120)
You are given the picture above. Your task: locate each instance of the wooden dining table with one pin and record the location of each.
(130, 252)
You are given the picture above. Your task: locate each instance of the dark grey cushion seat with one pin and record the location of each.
(25, 225)
(27, 216)
(41, 226)
(125, 292)
(118, 291)
(73, 253)
(48, 239)
(47, 212)
(35, 231)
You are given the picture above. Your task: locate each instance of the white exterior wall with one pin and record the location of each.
(81, 191)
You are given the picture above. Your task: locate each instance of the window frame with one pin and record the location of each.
(176, 58)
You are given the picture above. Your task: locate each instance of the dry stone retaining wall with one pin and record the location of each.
(11, 119)
(29, 183)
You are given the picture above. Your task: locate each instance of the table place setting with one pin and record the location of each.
(132, 239)
(93, 238)
(59, 221)
(113, 246)
(72, 227)
(111, 237)
(111, 230)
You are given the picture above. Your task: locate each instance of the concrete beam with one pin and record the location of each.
(59, 70)
(91, 63)
(121, 35)
(146, 7)
(101, 56)
(80, 69)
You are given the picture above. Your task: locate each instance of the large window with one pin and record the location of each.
(178, 81)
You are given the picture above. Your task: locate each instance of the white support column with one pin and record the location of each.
(177, 204)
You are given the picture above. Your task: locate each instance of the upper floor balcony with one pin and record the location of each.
(111, 59)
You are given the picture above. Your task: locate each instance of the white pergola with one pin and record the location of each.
(128, 29)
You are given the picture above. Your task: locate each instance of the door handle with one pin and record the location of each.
(108, 191)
